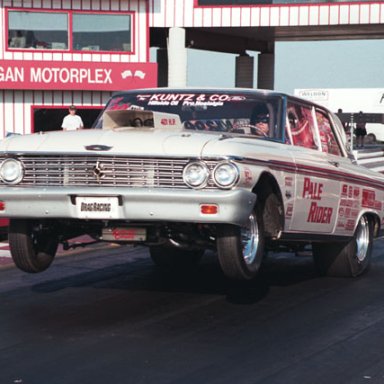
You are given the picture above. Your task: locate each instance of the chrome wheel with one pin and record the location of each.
(346, 258)
(250, 240)
(362, 239)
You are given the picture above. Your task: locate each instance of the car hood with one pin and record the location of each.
(134, 142)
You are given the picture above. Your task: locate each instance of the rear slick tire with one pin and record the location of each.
(33, 245)
(346, 259)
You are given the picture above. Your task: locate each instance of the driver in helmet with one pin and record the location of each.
(261, 124)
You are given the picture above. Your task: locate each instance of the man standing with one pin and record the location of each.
(72, 122)
(360, 130)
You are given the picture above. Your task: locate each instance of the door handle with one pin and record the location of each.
(334, 163)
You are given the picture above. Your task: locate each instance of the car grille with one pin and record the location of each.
(97, 171)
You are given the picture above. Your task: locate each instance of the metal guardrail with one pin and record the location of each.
(371, 158)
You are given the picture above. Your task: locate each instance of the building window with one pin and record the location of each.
(108, 32)
(40, 30)
(95, 32)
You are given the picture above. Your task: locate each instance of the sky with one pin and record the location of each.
(326, 64)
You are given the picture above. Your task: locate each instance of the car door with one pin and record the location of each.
(317, 172)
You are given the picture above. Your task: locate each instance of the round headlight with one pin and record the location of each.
(226, 175)
(196, 175)
(11, 171)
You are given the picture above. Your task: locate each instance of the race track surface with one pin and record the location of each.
(108, 316)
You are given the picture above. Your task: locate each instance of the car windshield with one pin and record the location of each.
(257, 115)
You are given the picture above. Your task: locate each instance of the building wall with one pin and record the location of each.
(170, 13)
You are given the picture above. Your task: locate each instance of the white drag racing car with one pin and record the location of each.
(237, 171)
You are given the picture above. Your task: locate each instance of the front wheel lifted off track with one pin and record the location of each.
(241, 249)
(346, 259)
(33, 245)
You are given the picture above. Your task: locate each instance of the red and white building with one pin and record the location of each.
(57, 53)
(54, 53)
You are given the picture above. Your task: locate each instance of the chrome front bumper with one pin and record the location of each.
(141, 204)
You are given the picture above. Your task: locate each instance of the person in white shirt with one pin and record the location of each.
(72, 122)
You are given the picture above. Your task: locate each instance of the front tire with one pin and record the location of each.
(33, 245)
(241, 249)
(346, 259)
